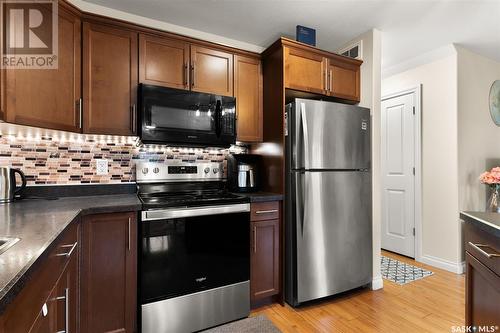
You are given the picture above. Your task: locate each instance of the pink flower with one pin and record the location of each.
(491, 177)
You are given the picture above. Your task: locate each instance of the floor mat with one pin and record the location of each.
(400, 272)
(257, 324)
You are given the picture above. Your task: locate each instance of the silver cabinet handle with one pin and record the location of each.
(79, 105)
(483, 252)
(266, 211)
(192, 75)
(133, 116)
(326, 80)
(129, 220)
(254, 239)
(66, 310)
(330, 81)
(67, 254)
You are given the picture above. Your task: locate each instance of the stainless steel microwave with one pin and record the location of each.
(180, 117)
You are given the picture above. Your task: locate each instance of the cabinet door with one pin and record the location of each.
(305, 71)
(343, 80)
(264, 266)
(67, 293)
(109, 80)
(482, 288)
(211, 71)
(108, 279)
(248, 93)
(49, 98)
(46, 321)
(163, 62)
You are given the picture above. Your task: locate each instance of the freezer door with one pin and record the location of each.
(329, 135)
(333, 216)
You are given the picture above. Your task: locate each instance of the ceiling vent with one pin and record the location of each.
(353, 51)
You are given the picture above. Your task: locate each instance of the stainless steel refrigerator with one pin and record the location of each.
(328, 226)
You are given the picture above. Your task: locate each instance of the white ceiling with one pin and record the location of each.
(409, 28)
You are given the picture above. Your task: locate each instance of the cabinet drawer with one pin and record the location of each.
(261, 211)
(23, 311)
(483, 246)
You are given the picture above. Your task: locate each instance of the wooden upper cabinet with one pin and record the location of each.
(211, 71)
(163, 62)
(109, 79)
(248, 93)
(305, 70)
(343, 80)
(109, 273)
(48, 98)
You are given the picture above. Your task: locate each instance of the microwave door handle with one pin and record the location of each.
(218, 118)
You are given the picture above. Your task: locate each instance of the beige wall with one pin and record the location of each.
(479, 137)
(370, 98)
(440, 232)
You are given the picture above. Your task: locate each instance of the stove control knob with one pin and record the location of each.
(145, 170)
(207, 170)
(156, 170)
(215, 170)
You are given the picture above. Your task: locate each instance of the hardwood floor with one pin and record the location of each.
(433, 304)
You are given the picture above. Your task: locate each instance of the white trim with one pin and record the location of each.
(377, 283)
(160, 25)
(417, 91)
(419, 60)
(454, 267)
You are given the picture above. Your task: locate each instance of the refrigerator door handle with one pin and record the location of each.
(299, 201)
(305, 134)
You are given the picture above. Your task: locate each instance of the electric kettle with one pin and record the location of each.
(8, 189)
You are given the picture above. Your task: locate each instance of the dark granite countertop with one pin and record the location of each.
(489, 222)
(38, 223)
(262, 196)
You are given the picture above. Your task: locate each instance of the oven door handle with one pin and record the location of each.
(175, 213)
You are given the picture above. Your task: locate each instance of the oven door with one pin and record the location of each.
(188, 250)
(175, 116)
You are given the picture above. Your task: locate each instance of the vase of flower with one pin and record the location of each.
(492, 179)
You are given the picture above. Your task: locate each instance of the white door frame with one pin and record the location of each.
(418, 162)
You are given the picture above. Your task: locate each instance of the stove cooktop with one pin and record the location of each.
(189, 199)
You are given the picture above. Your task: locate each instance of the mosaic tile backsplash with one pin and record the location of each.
(57, 160)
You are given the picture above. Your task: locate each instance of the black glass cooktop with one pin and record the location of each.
(189, 199)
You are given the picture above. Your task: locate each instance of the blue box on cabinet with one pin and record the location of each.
(306, 35)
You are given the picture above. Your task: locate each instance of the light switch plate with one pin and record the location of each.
(101, 166)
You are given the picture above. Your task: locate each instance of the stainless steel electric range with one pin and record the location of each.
(195, 253)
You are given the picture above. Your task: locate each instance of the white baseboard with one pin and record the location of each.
(377, 283)
(454, 267)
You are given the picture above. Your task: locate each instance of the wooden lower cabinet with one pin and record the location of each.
(49, 300)
(482, 294)
(265, 256)
(108, 279)
(482, 286)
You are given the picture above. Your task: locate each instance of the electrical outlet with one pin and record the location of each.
(101, 166)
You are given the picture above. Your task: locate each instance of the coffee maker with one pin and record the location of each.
(243, 172)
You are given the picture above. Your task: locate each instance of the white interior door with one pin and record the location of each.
(398, 174)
